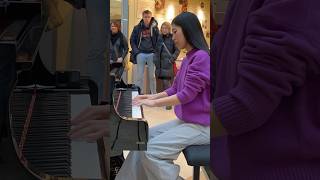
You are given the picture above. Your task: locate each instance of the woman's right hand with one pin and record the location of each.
(142, 97)
(91, 123)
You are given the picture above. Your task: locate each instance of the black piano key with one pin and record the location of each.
(125, 102)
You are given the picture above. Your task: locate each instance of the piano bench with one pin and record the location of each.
(196, 156)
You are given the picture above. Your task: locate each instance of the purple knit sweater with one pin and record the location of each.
(267, 91)
(192, 86)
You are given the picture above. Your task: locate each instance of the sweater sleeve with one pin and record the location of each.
(197, 78)
(277, 56)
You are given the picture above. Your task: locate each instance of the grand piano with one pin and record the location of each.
(36, 106)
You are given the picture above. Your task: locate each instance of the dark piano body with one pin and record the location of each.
(44, 153)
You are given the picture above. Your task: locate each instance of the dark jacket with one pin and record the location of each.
(119, 48)
(163, 59)
(135, 38)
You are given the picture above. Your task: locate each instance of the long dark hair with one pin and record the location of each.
(192, 30)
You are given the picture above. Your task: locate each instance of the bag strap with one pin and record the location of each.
(167, 49)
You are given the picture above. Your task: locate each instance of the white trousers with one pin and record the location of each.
(166, 142)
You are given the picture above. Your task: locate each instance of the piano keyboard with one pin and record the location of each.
(136, 110)
(123, 103)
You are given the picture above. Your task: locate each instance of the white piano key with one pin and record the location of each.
(136, 110)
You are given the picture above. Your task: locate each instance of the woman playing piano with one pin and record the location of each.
(190, 94)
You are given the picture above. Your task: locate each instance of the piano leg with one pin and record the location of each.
(104, 158)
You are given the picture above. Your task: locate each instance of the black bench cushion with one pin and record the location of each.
(197, 155)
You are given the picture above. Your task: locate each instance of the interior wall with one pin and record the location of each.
(115, 9)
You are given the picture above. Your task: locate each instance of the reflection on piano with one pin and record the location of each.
(21, 27)
(46, 146)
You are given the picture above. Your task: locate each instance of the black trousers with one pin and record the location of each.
(163, 83)
(116, 70)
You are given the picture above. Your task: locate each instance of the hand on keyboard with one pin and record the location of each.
(145, 96)
(90, 124)
(92, 113)
(90, 130)
(147, 102)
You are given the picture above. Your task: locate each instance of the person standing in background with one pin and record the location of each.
(143, 42)
(118, 52)
(165, 56)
